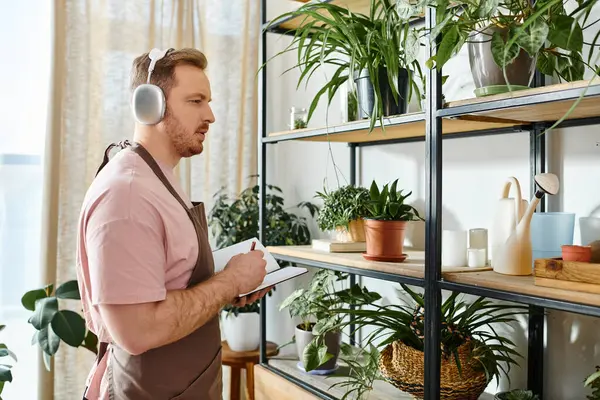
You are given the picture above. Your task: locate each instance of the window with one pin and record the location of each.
(25, 39)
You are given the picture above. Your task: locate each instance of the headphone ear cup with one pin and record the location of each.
(148, 104)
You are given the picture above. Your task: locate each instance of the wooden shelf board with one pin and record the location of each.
(382, 390)
(346, 133)
(588, 107)
(270, 386)
(356, 6)
(522, 285)
(413, 266)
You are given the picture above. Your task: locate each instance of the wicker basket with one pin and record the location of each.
(404, 367)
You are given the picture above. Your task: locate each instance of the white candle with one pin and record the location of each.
(454, 248)
(476, 257)
(478, 239)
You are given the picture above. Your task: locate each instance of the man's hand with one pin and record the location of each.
(246, 271)
(140, 327)
(242, 301)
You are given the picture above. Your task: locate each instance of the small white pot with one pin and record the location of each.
(242, 332)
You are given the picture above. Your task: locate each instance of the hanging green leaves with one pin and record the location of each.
(503, 54)
(447, 46)
(532, 38)
(565, 32)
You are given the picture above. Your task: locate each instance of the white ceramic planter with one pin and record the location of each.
(242, 332)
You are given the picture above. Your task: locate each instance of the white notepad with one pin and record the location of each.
(275, 274)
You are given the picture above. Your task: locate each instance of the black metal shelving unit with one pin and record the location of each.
(432, 124)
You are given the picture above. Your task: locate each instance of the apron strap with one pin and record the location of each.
(147, 157)
(122, 144)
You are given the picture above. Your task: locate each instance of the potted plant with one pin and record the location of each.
(236, 220)
(5, 372)
(507, 39)
(386, 221)
(517, 394)
(318, 338)
(241, 326)
(343, 211)
(472, 351)
(54, 325)
(377, 51)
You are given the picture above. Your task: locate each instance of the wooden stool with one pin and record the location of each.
(244, 359)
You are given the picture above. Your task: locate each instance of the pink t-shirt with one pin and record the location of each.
(135, 242)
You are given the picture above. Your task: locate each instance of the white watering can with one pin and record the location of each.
(510, 235)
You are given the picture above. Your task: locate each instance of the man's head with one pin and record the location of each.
(180, 75)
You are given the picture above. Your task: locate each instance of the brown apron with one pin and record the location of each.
(184, 370)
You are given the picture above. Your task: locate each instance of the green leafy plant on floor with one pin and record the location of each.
(388, 204)
(341, 206)
(5, 369)
(462, 323)
(54, 325)
(314, 306)
(349, 42)
(594, 383)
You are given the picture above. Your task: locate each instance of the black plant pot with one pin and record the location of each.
(366, 94)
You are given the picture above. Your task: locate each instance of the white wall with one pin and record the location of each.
(474, 170)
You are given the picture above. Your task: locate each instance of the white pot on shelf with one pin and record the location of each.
(242, 332)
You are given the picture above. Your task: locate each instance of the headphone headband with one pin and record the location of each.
(155, 55)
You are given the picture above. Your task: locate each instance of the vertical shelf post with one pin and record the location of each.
(433, 222)
(535, 335)
(262, 164)
(353, 149)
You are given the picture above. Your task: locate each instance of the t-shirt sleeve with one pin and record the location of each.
(126, 261)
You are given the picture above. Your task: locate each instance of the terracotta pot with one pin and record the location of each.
(576, 253)
(385, 240)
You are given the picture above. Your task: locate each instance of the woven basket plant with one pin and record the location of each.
(472, 351)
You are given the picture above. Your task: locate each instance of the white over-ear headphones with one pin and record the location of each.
(148, 101)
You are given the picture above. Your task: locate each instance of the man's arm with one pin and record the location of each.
(138, 328)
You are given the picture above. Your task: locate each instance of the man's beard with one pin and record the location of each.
(186, 144)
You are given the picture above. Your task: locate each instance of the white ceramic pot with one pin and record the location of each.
(242, 332)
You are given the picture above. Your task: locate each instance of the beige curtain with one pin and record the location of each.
(95, 42)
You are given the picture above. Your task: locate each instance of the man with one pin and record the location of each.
(144, 264)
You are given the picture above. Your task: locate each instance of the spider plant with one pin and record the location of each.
(351, 42)
(462, 322)
(364, 371)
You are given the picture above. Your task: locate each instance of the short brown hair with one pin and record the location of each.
(164, 71)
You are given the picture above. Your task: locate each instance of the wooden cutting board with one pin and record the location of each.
(570, 275)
